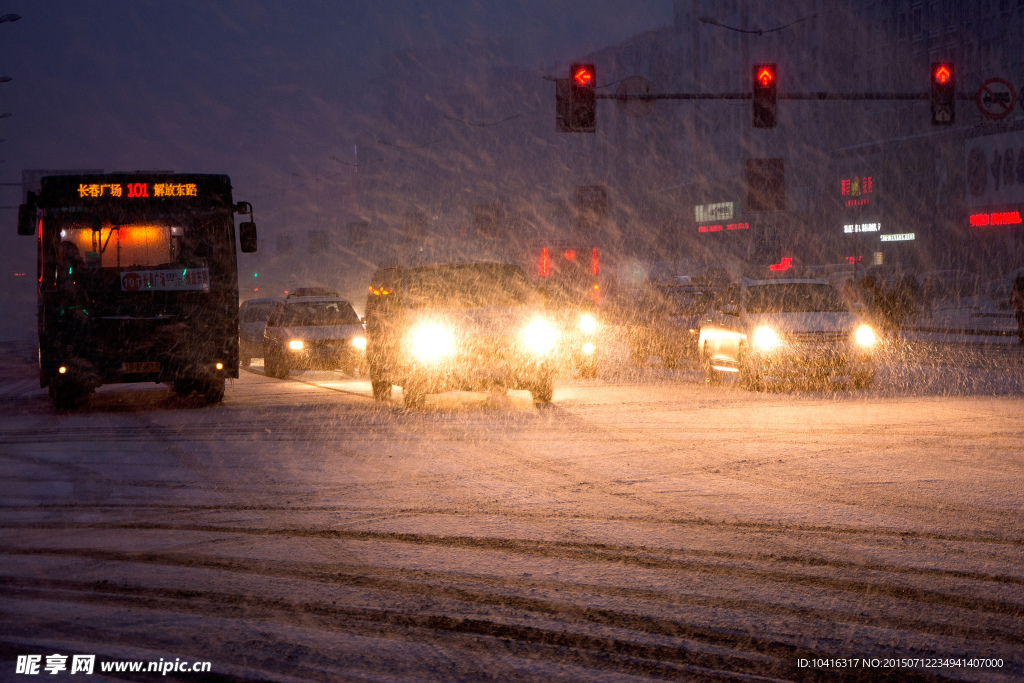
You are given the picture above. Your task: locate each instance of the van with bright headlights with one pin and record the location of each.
(458, 326)
(785, 329)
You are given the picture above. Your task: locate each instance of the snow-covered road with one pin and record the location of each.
(642, 526)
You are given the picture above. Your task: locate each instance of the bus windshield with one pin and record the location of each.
(146, 244)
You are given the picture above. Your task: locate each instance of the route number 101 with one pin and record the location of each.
(138, 190)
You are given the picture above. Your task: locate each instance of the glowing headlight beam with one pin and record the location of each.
(765, 339)
(540, 337)
(296, 345)
(588, 323)
(359, 342)
(865, 336)
(432, 342)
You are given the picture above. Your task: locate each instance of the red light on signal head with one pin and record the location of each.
(765, 76)
(943, 74)
(583, 76)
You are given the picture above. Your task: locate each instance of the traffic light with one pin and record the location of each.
(765, 95)
(943, 94)
(576, 100)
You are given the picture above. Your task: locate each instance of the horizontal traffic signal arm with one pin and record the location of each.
(781, 96)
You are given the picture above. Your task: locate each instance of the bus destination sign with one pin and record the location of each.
(137, 190)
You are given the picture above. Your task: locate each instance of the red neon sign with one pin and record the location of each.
(998, 218)
(593, 262)
(718, 227)
(545, 262)
(569, 255)
(785, 263)
(583, 76)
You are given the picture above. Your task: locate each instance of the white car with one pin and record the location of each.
(313, 333)
(779, 329)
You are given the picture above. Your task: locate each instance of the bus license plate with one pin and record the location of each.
(141, 368)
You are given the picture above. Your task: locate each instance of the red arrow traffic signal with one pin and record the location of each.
(583, 75)
(765, 95)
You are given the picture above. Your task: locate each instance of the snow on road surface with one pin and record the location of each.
(643, 526)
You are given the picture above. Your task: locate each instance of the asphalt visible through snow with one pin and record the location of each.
(643, 526)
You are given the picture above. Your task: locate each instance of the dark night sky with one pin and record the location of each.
(244, 86)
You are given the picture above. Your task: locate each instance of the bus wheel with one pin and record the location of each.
(211, 390)
(67, 395)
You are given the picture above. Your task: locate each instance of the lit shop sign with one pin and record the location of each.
(719, 227)
(137, 190)
(715, 213)
(898, 237)
(979, 220)
(857, 191)
(862, 227)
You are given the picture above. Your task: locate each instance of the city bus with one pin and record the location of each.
(137, 281)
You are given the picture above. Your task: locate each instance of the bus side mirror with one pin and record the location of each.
(247, 236)
(27, 216)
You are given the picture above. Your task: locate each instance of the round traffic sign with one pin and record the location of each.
(635, 106)
(995, 98)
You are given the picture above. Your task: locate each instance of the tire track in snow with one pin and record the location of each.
(451, 586)
(615, 555)
(747, 656)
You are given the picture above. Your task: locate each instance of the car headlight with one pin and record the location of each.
(865, 336)
(432, 342)
(588, 323)
(765, 339)
(359, 343)
(296, 345)
(540, 337)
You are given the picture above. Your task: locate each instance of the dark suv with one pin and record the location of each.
(458, 326)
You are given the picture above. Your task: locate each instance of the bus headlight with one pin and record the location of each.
(540, 337)
(765, 339)
(432, 342)
(359, 343)
(588, 323)
(865, 336)
(296, 345)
